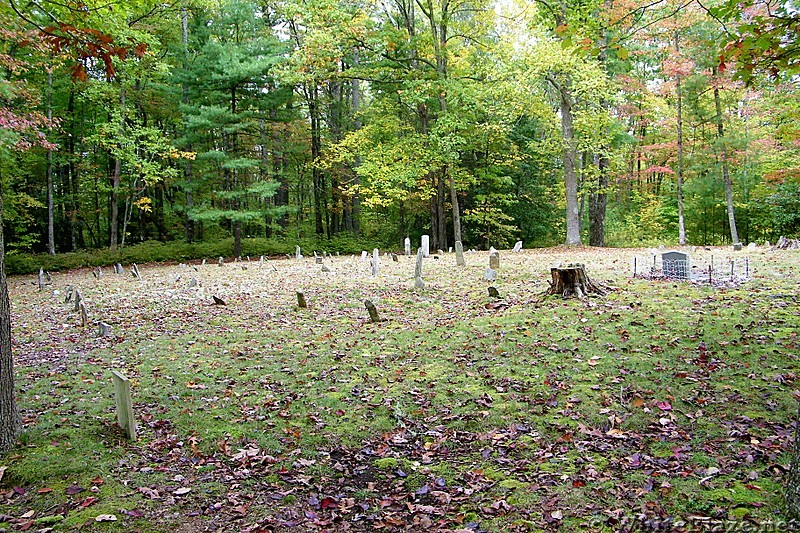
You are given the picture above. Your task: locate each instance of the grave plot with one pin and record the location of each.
(715, 267)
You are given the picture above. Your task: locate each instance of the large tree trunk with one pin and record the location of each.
(10, 423)
(597, 204)
(726, 177)
(316, 146)
(187, 169)
(570, 177)
(51, 238)
(681, 223)
(113, 238)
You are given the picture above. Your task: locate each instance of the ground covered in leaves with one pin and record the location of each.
(664, 405)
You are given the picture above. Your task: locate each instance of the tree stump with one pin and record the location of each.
(571, 281)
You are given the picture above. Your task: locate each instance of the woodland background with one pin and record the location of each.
(613, 123)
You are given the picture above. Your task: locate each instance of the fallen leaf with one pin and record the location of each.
(664, 406)
(558, 515)
(105, 518)
(44, 490)
(74, 489)
(181, 491)
(2, 471)
(88, 501)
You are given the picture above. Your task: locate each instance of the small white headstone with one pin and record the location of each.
(426, 245)
(460, 254)
(297, 254)
(375, 261)
(752, 246)
(490, 274)
(517, 247)
(364, 255)
(407, 244)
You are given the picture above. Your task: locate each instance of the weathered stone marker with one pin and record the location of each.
(395, 258)
(135, 272)
(217, 300)
(326, 268)
(426, 245)
(373, 311)
(118, 269)
(297, 254)
(221, 261)
(103, 329)
(122, 395)
(192, 283)
(78, 300)
(676, 265)
(418, 283)
(318, 259)
(493, 292)
(364, 255)
(301, 300)
(407, 246)
(203, 263)
(84, 314)
(375, 261)
(460, 254)
(41, 279)
(517, 247)
(68, 294)
(490, 274)
(494, 260)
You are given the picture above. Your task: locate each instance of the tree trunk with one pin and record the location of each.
(316, 146)
(572, 281)
(51, 238)
(456, 211)
(10, 423)
(597, 204)
(355, 200)
(187, 169)
(726, 177)
(570, 177)
(113, 238)
(681, 222)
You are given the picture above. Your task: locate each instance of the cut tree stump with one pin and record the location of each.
(572, 281)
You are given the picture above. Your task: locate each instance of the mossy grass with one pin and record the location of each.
(666, 392)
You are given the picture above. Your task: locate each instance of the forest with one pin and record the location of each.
(607, 123)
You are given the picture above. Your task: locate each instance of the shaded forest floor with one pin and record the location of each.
(663, 405)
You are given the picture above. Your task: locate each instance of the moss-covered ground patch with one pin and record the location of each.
(663, 401)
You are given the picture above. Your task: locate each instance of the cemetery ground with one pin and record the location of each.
(663, 404)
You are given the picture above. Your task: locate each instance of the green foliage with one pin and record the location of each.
(785, 207)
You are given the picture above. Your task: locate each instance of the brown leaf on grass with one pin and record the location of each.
(74, 489)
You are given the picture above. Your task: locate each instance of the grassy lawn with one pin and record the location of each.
(661, 404)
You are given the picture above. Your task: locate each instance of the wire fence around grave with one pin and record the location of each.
(714, 271)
